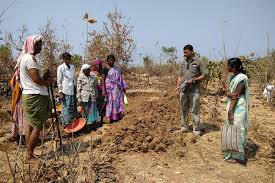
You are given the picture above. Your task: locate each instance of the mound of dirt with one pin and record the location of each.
(152, 127)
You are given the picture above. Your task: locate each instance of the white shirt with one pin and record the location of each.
(268, 92)
(29, 87)
(86, 88)
(66, 79)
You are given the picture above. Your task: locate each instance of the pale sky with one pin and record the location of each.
(243, 23)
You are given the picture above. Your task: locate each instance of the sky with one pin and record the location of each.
(242, 25)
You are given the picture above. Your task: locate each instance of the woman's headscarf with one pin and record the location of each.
(28, 46)
(98, 62)
(84, 67)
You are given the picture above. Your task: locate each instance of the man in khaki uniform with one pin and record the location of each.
(191, 73)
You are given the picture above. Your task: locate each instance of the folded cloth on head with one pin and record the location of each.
(85, 66)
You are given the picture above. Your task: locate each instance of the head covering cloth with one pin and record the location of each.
(84, 67)
(98, 62)
(28, 46)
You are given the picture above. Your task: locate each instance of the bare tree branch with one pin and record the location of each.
(5, 10)
(114, 39)
(17, 44)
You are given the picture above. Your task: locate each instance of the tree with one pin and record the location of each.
(51, 48)
(98, 47)
(148, 65)
(19, 41)
(64, 47)
(76, 60)
(115, 38)
(261, 69)
(6, 62)
(147, 62)
(170, 53)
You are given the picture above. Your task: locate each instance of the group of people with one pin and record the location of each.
(98, 91)
(190, 74)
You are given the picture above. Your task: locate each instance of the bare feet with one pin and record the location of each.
(31, 160)
(31, 157)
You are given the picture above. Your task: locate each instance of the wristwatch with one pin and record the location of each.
(193, 81)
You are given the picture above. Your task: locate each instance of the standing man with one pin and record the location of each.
(191, 73)
(66, 82)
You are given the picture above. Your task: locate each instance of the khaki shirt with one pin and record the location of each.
(193, 68)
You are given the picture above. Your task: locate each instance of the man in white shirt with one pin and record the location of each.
(66, 82)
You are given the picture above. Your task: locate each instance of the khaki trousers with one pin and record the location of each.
(190, 99)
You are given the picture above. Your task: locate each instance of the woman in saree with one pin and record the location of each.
(87, 95)
(97, 73)
(237, 106)
(19, 125)
(115, 91)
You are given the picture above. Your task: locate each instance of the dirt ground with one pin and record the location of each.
(147, 145)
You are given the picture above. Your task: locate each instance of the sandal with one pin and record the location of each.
(234, 161)
(231, 161)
